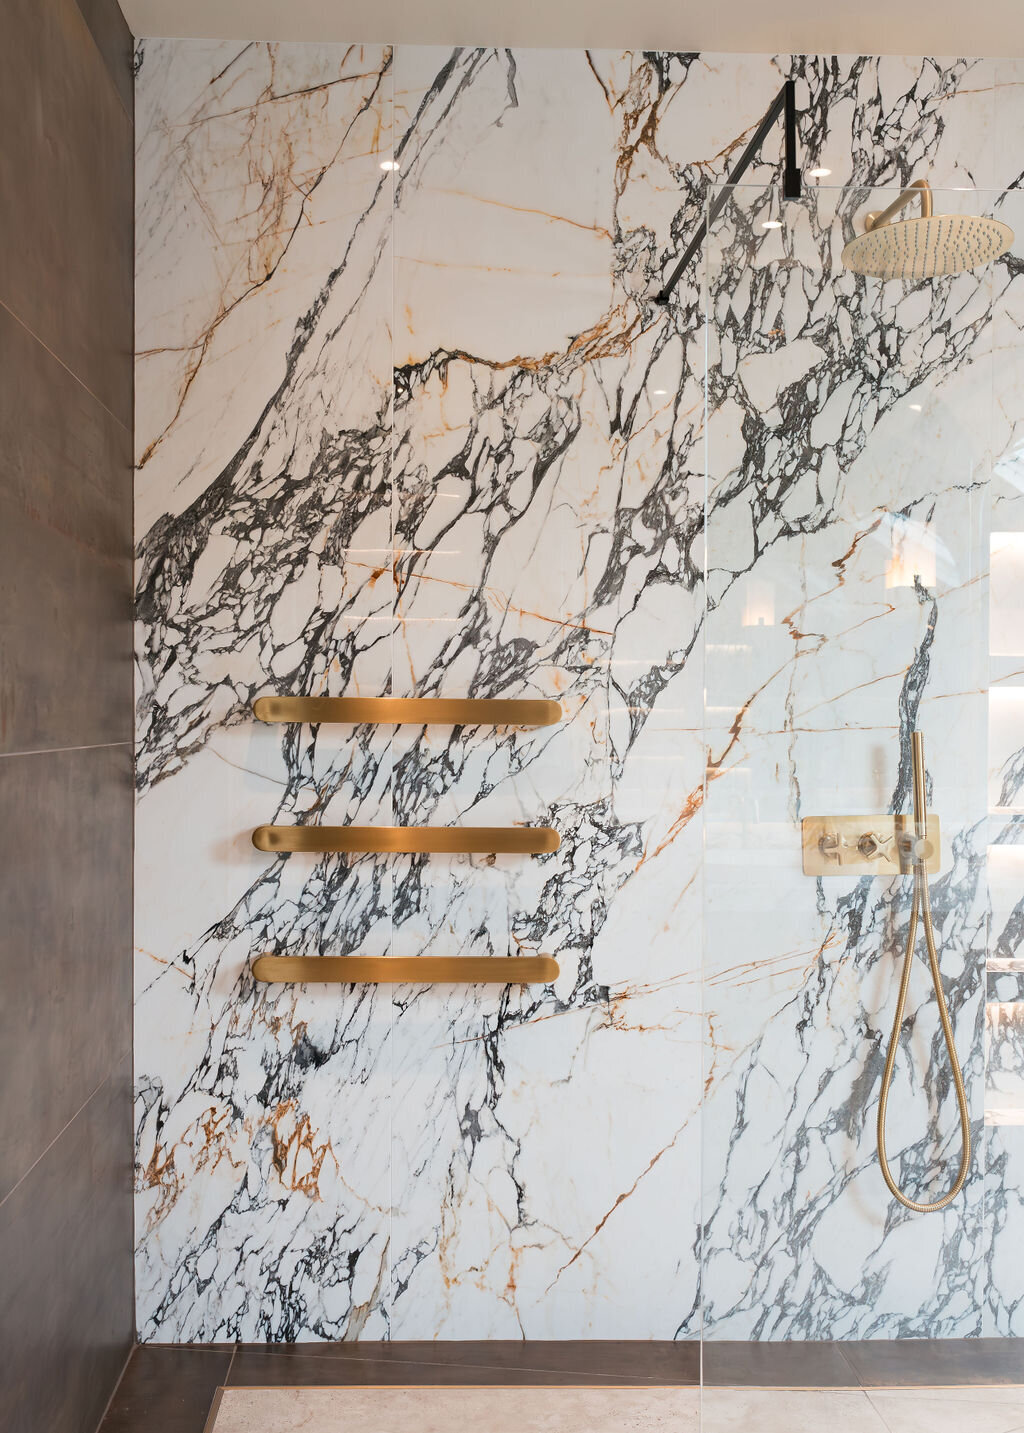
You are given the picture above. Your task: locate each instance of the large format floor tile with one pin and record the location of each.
(935, 1362)
(273, 1369)
(778, 1410)
(949, 1410)
(440, 1410)
(803, 1364)
(615, 1360)
(168, 1390)
(359, 1388)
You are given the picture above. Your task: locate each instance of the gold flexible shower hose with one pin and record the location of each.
(921, 907)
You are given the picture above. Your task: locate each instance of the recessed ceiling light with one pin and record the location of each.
(916, 407)
(389, 164)
(660, 392)
(819, 173)
(772, 224)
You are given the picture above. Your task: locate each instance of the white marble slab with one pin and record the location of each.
(420, 430)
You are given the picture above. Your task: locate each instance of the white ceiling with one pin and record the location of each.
(889, 27)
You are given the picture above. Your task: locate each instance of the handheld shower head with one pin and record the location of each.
(926, 247)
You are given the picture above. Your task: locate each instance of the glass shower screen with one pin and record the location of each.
(865, 574)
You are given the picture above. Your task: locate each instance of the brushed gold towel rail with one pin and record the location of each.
(413, 970)
(468, 711)
(438, 840)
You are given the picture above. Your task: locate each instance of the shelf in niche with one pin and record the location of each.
(1005, 964)
(1005, 1116)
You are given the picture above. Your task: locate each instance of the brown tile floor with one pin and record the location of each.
(777, 1365)
(871, 1363)
(498, 1361)
(169, 1388)
(934, 1363)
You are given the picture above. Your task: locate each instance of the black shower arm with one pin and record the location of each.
(784, 104)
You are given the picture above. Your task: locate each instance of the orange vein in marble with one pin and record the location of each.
(202, 345)
(621, 1199)
(528, 209)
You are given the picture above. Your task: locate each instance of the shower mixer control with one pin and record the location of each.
(867, 845)
(873, 847)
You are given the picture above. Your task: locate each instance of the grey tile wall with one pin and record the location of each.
(65, 555)
(66, 1318)
(114, 41)
(67, 1271)
(66, 264)
(65, 1018)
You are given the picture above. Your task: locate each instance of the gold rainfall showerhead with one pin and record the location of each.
(926, 247)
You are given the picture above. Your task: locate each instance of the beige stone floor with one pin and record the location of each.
(617, 1410)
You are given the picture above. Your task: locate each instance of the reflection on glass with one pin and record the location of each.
(912, 548)
(759, 606)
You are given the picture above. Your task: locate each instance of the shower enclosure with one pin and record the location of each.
(412, 426)
(864, 561)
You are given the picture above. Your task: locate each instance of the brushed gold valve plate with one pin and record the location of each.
(438, 840)
(840, 845)
(444, 711)
(414, 970)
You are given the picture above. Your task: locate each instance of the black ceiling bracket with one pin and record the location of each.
(784, 104)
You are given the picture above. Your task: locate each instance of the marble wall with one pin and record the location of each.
(408, 422)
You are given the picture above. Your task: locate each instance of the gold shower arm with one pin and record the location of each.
(877, 218)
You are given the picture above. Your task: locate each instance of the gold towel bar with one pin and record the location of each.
(419, 710)
(414, 970)
(516, 840)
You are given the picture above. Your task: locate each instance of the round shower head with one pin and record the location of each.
(927, 247)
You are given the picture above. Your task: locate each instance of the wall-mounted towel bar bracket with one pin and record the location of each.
(412, 970)
(419, 711)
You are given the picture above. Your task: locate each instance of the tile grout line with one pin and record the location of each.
(927, 1394)
(211, 1418)
(56, 750)
(210, 1421)
(878, 1412)
(57, 359)
(117, 1384)
(83, 1106)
